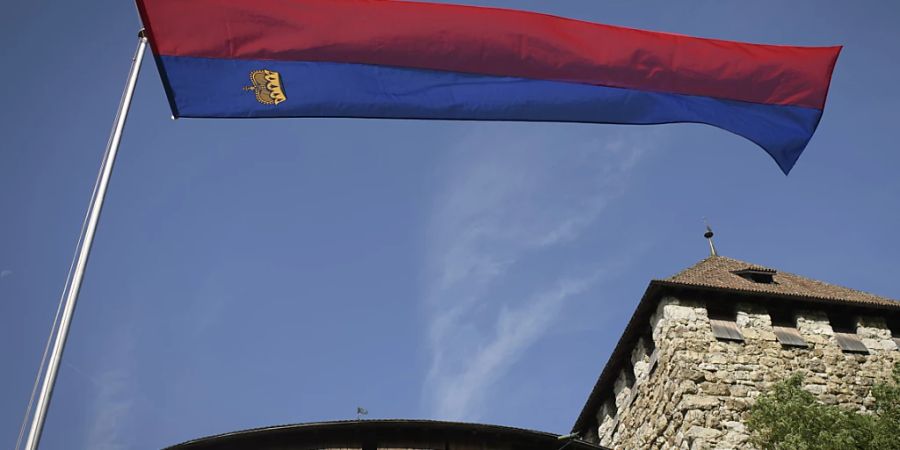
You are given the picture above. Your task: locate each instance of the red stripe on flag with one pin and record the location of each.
(489, 41)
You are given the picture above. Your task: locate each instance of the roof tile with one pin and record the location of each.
(719, 272)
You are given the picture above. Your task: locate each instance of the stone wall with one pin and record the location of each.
(693, 391)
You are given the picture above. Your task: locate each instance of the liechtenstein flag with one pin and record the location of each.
(411, 60)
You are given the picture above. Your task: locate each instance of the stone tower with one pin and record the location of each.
(704, 343)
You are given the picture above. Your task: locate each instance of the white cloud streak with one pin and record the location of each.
(513, 193)
(513, 331)
(5, 273)
(114, 399)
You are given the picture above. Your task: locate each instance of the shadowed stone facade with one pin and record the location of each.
(671, 383)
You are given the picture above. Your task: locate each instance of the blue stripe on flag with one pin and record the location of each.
(205, 87)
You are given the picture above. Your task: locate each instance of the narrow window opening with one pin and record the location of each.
(630, 384)
(784, 324)
(629, 376)
(723, 321)
(615, 429)
(844, 327)
(631, 397)
(611, 409)
(612, 416)
(649, 345)
(654, 361)
(894, 325)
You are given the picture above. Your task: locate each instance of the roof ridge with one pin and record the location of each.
(712, 258)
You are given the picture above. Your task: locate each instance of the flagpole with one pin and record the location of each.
(112, 148)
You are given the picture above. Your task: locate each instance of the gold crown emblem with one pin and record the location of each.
(267, 86)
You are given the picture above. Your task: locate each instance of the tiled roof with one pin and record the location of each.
(719, 272)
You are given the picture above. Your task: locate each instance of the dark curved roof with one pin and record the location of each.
(374, 434)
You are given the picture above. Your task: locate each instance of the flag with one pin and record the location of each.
(412, 60)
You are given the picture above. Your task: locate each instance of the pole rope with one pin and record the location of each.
(76, 268)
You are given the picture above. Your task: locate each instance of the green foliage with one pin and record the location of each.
(790, 418)
(886, 429)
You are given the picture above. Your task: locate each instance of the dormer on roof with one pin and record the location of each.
(757, 274)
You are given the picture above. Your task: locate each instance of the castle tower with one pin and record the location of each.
(704, 343)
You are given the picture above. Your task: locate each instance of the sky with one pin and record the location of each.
(254, 273)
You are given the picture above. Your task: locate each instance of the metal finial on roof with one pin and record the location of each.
(709, 237)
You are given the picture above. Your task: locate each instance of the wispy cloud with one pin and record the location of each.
(114, 399)
(5, 273)
(512, 195)
(515, 329)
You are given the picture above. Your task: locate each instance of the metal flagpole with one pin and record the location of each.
(112, 147)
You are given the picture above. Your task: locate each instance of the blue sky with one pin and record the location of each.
(252, 273)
